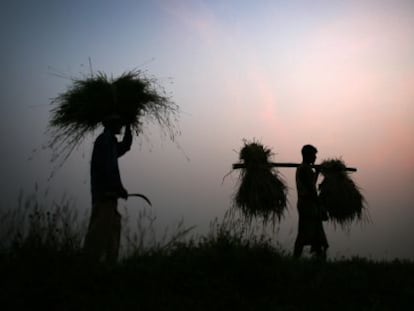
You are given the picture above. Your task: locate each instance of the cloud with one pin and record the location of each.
(194, 16)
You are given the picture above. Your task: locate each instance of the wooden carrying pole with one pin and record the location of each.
(241, 165)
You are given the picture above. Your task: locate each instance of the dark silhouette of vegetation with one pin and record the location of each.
(133, 96)
(261, 192)
(41, 266)
(339, 194)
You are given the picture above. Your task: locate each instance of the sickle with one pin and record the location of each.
(140, 196)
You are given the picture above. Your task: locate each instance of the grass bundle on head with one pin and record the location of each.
(132, 96)
(261, 193)
(339, 194)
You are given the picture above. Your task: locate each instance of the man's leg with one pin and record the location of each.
(114, 237)
(102, 239)
(94, 244)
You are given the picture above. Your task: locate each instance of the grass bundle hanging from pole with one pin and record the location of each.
(87, 102)
(339, 194)
(261, 193)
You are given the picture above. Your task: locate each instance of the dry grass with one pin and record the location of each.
(340, 195)
(87, 102)
(261, 193)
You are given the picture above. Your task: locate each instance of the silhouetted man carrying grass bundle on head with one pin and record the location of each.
(310, 228)
(89, 102)
(103, 237)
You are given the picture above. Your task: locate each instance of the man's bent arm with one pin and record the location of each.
(125, 144)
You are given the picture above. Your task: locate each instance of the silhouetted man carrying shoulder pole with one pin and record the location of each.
(310, 228)
(103, 237)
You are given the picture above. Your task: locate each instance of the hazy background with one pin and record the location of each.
(336, 74)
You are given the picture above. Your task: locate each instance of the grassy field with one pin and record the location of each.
(227, 269)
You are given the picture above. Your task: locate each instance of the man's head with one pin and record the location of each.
(309, 154)
(113, 122)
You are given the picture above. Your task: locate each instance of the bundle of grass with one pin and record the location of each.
(88, 101)
(261, 193)
(339, 194)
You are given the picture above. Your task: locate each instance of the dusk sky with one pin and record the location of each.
(336, 74)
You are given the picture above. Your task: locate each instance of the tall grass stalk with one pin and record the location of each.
(35, 227)
(141, 235)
